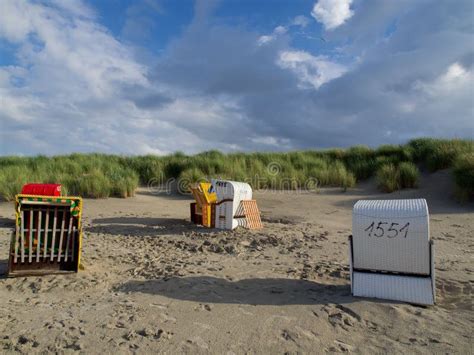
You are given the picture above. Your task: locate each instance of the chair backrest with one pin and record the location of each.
(209, 195)
(232, 191)
(229, 196)
(202, 194)
(391, 235)
(197, 195)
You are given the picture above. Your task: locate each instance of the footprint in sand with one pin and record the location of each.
(342, 316)
(203, 307)
(198, 342)
(455, 294)
(289, 336)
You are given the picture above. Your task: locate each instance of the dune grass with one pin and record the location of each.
(87, 175)
(100, 175)
(388, 178)
(391, 177)
(464, 176)
(408, 175)
(438, 154)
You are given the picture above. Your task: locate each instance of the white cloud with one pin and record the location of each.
(456, 78)
(277, 31)
(69, 81)
(301, 20)
(64, 44)
(14, 20)
(332, 13)
(311, 71)
(74, 7)
(265, 39)
(272, 142)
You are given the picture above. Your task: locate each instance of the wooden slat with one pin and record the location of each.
(15, 248)
(38, 236)
(46, 232)
(30, 242)
(53, 238)
(61, 235)
(68, 239)
(22, 237)
(73, 247)
(42, 203)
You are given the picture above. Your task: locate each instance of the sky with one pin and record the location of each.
(159, 76)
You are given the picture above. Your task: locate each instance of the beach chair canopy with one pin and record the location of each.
(235, 206)
(391, 235)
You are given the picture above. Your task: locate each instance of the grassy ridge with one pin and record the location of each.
(99, 175)
(91, 175)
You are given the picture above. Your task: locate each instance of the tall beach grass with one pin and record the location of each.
(464, 176)
(100, 175)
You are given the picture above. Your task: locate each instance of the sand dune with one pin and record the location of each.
(153, 282)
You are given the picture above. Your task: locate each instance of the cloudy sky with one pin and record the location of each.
(157, 76)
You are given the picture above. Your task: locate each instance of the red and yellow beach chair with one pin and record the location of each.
(47, 236)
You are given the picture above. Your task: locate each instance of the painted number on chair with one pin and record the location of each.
(389, 230)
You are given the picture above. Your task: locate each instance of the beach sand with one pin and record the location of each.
(154, 282)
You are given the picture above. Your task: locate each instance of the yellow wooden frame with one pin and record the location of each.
(204, 200)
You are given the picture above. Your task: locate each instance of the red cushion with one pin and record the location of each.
(42, 189)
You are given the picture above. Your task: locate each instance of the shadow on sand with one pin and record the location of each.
(166, 195)
(3, 268)
(147, 226)
(248, 291)
(7, 222)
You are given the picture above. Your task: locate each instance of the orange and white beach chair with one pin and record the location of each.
(235, 206)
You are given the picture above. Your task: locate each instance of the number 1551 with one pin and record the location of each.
(380, 229)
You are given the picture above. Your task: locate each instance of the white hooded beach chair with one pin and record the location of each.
(391, 253)
(234, 206)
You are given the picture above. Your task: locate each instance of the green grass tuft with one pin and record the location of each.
(408, 174)
(464, 176)
(388, 178)
(439, 154)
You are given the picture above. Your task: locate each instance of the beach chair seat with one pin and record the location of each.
(47, 236)
(391, 252)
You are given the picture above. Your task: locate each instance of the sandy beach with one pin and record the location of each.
(155, 283)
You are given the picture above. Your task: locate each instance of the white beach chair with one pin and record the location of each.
(391, 253)
(234, 206)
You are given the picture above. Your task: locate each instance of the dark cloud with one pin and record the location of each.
(223, 60)
(145, 98)
(401, 46)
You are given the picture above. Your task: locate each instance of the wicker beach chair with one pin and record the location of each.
(391, 252)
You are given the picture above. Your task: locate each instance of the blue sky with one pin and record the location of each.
(157, 76)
